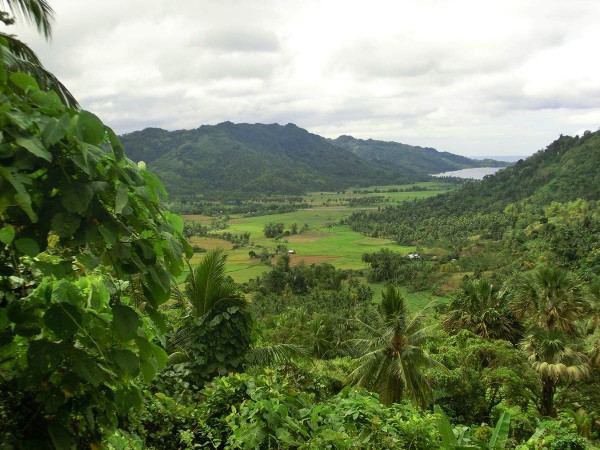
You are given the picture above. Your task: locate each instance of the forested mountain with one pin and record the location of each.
(420, 159)
(254, 159)
(273, 159)
(567, 170)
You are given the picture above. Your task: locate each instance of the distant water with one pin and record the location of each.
(476, 173)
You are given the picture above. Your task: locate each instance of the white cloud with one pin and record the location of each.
(465, 76)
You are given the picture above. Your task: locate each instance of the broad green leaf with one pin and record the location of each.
(158, 284)
(121, 198)
(445, 429)
(501, 430)
(128, 398)
(22, 198)
(87, 369)
(125, 322)
(3, 318)
(127, 361)
(148, 371)
(65, 224)
(41, 99)
(160, 355)
(144, 347)
(63, 319)
(175, 221)
(7, 234)
(55, 130)
(115, 143)
(76, 197)
(27, 246)
(90, 128)
(100, 295)
(65, 291)
(107, 235)
(34, 146)
(24, 81)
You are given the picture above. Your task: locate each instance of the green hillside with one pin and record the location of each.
(420, 159)
(254, 159)
(514, 199)
(274, 159)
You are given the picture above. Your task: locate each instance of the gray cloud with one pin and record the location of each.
(465, 76)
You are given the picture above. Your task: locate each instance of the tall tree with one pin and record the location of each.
(552, 302)
(481, 307)
(391, 359)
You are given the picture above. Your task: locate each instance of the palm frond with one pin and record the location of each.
(177, 358)
(206, 282)
(19, 57)
(37, 12)
(369, 366)
(274, 354)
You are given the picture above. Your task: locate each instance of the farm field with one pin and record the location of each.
(324, 241)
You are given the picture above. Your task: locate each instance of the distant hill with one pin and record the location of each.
(419, 159)
(258, 158)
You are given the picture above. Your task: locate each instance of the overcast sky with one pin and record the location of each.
(470, 77)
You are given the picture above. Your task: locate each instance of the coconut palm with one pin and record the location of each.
(216, 330)
(216, 325)
(18, 56)
(391, 358)
(481, 307)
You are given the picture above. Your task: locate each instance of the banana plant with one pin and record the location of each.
(459, 438)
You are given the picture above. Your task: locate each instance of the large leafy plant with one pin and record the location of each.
(80, 227)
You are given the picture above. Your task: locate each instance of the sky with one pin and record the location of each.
(472, 77)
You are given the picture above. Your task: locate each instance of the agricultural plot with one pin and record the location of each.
(325, 240)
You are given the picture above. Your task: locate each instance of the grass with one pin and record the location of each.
(325, 241)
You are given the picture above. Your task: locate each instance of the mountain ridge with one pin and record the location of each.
(273, 158)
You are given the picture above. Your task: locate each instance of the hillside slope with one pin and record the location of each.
(254, 159)
(258, 158)
(420, 159)
(568, 169)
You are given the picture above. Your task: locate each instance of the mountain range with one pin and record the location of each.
(280, 159)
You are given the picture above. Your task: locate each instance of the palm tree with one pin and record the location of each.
(216, 333)
(552, 299)
(216, 325)
(554, 355)
(553, 303)
(482, 308)
(18, 56)
(392, 358)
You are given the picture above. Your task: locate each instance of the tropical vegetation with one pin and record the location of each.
(108, 340)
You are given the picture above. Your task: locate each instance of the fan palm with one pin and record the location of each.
(481, 307)
(550, 298)
(554, 355)
(18, 56)
(554, 302)
(391, 359)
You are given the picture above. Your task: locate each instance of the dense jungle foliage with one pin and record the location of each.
(101, 347)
